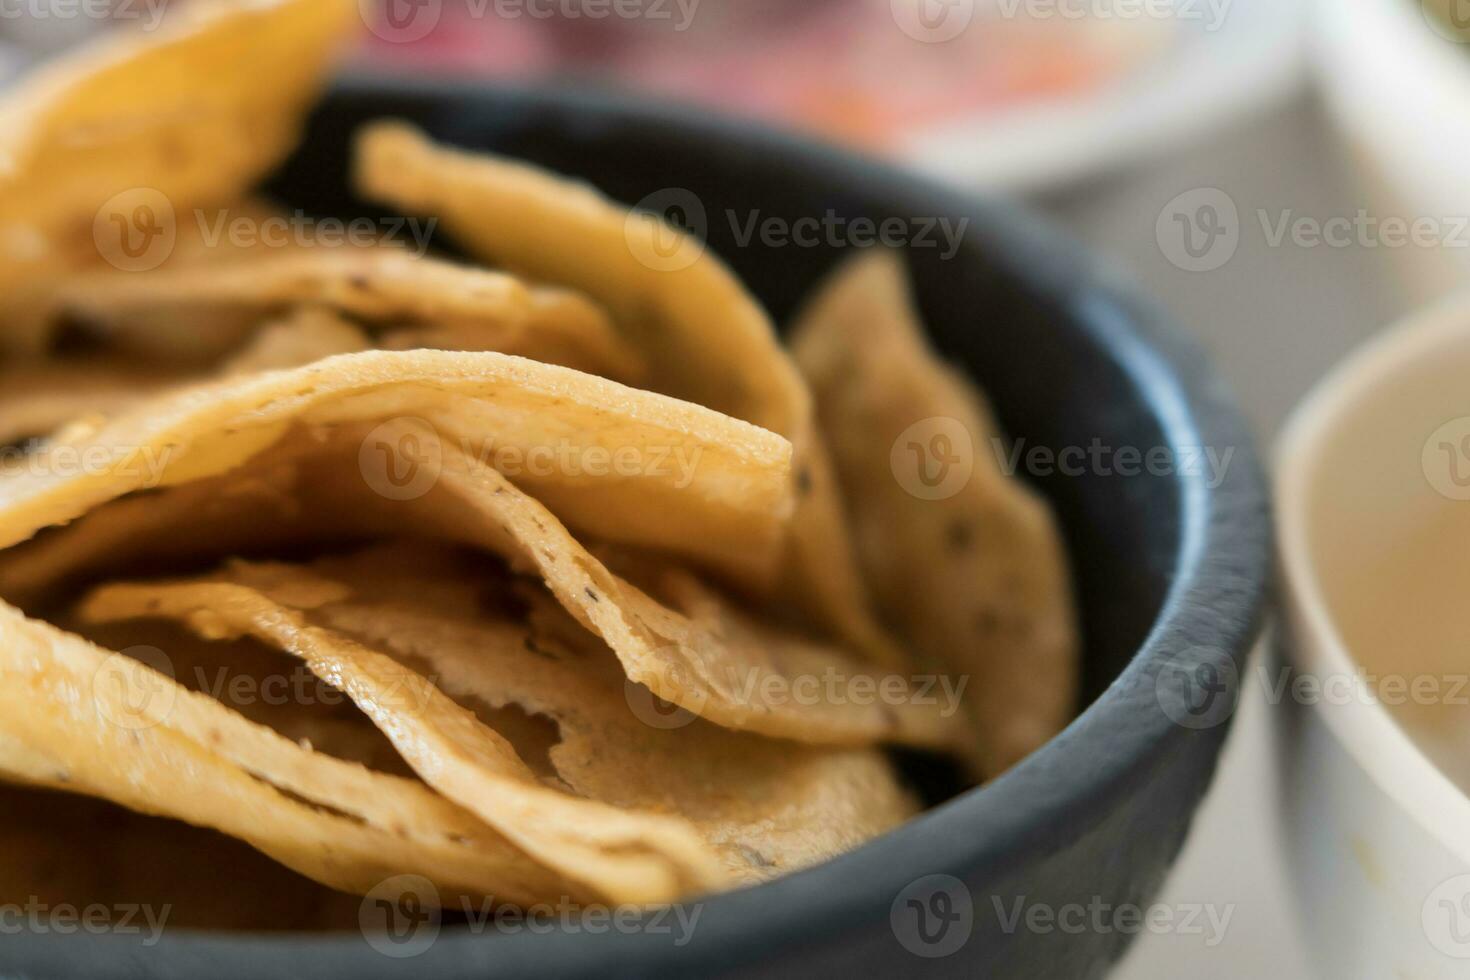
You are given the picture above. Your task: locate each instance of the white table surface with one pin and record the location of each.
(1275, 320)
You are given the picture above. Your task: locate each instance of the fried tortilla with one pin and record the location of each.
(976, 581)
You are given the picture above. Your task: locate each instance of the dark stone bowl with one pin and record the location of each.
(1171, 565)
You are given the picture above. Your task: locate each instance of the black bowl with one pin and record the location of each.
(1171, 567)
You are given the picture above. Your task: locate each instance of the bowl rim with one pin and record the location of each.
(1366, 729)
(1214, 610)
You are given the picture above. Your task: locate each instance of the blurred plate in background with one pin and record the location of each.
(1009, 94)
(1222, 60)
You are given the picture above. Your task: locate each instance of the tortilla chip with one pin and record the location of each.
(706, 486)
(704, 336)
(258, 508)
(977, 581)
(305, 335)
(189, 115)
(37, 323)
(690, 646)
(89, 721)
(39, 397)
(698, 652)
(209, 102)
(63, 849)
(628, 789)
(414, 302)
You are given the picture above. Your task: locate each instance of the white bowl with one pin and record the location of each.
(1400, 90)
(1374, 528)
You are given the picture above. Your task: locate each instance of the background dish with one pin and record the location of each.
(1375, 578)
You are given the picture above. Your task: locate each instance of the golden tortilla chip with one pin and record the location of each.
(690, 646)
(699, 651)
(39, 397)
(704, 336)
(625, 856)
(64, 849)
(78, 718)
(414, 302)
(36, 322)
(622, 464)
(975, 575)
(629, 789)
(136, 129)
(305, 335)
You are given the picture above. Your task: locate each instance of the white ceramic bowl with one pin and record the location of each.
(1400, 92)
(1373, 507)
